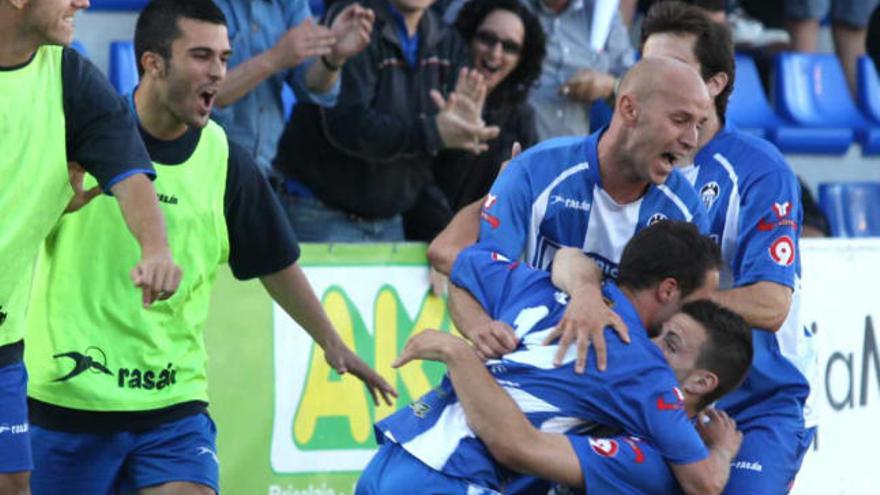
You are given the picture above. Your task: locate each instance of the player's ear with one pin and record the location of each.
(667, 290)
(717, 83)
(628, 109)
(700, 382)
(153, 64)
(18, 4)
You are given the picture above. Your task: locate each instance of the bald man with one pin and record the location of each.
(591, 193)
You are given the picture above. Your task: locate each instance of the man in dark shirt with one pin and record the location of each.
(122, 403)
(54, 107)
(353, 169)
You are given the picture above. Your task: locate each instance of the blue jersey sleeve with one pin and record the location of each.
(770, 222)
(495, 281)
(622, 464)
(670, 429)
(504, 216)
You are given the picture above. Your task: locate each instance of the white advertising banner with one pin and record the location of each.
(840, 302)
(321, 434)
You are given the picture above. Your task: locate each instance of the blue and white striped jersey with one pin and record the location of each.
(551, 196)
(638, 393)
(754, 204)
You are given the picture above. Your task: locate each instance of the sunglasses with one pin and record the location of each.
(489, 40)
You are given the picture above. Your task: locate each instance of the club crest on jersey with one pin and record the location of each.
(782, 209)
(656, 217)
(604, 447)
(782, 251)
(709, 193)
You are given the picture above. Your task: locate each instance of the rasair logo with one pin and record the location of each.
(93, 359)
(2, 316)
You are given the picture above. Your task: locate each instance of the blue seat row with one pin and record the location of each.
(852, 208)
(815, 112)
(133, 5)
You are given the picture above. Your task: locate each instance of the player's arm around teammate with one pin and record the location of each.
(518, 445)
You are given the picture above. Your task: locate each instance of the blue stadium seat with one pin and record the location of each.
(811, 91)
(123, 67)
(750, 111)
(317, 8)
(79, 47)
(132, 5)
(288, 100)
(748, 108)
(852, 208)
(869, 98)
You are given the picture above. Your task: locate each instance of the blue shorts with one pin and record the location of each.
(106, 464)
(15, 444)
(393, 470)
(769, 459)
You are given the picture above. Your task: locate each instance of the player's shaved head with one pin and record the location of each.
(661, 104)
(662, 74)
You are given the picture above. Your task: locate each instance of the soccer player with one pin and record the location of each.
(641, 392)
(56, 107)
(593, 193)
(118, 394)
(753, 200)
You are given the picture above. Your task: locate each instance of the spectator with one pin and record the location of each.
(352, 170)
(574, 75)
(275, 42)
(507, 48)
(849, 21)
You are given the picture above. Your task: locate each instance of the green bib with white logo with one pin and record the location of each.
(91, 344)
(33, 174)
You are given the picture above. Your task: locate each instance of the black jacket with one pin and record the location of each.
(462, 178)
(371, 154)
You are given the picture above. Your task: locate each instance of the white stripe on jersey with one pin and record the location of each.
(561, 424)
(528, 403)
(612, 225)
(437, 444)
(727, 243)
(677, 200)
(539, 209)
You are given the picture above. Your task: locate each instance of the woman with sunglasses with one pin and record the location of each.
(507, 47)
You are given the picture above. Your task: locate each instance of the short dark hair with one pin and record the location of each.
(668, 249)
(713, 47)
(710, 5)
(727, 351)
(157, 26)
(514, 89)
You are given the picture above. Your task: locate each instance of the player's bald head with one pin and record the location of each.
(653, 75)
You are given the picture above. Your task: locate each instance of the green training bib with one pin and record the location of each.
(33, 175)
(91, 345)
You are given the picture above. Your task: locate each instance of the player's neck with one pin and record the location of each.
(154, 117)
(642, 302)
(622, 187)
(16, 48)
